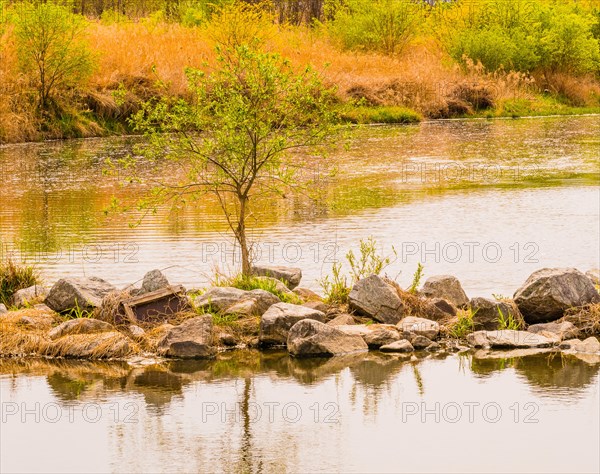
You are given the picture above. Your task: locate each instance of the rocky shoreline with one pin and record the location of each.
(88, 318)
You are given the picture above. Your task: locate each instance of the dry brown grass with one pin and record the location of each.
(106, 345)
(585, 318)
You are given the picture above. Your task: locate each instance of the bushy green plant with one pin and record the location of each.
(14, 277)
(463, 325)
(520, 35)
(336, 288)
(52, 48)
(507, 321)
(377, 25)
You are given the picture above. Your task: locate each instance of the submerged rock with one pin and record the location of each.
(289, 275)
(419, 326)
(421, 342)
(154, 280)
(446, 287)
(373, 297)
(591, 345)
(192, 339)
(71, 293)
(398, 346)
(311, 338)
(276, 323)
(80, 326)
(487, 313)
(508, 339)
(547, 293)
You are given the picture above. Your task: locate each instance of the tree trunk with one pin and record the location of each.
(240, 235)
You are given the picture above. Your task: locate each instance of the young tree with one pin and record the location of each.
(51, 46)
(235, 131)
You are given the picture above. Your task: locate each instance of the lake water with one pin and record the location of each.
(487, 201)
(252, 412)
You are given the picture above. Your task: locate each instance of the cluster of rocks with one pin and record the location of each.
(310, 328)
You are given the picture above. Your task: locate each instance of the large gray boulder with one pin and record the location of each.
(310, 338)
(26, 296)
(508, 339)
(80, 326)
(71, 293)
(277, 321)
(446, 287)
(154, 280)
(192, 339)
(562, 330)
(398, 346)
(486, 313)
(411, 325)
(547, 293)
(373, 297)
(289, 275)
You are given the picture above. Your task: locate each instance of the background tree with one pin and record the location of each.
(235, 132)
(52, 48)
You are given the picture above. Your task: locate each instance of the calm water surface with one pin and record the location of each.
(251, 412)
(488, 201)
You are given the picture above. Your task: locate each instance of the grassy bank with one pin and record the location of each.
(131, 60)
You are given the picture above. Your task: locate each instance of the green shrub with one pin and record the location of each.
(251, 282)
(52, 49)
(375, 25)
(521, 35)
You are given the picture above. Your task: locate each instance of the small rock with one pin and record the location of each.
(80, 326)
(253, 303)
(420, 342)
(433, 347)
(342, 320)
(219, 298)
(3, 309)
(380, 336)
(291, 276)
(373, 297)
(136, 331)
(486, 313)
(154, 280)
(276, 323)
(547, 293)
(446, 287)
(310, 338)
(594, 275)
(564, 329)
(71, 293)
(419, 326)
(398, 346)
(26, 296)
(441, 309)
(318, 305)
(192, 339)
(591, 345)
(226, 339)
(507, 339)
(306, 294)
